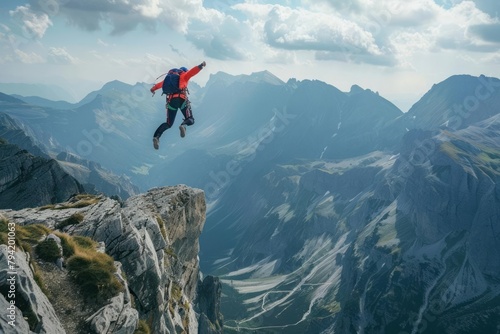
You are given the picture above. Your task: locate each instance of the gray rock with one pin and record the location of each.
(208, 302)
(29, 181)
(118, 316)
(11, 319)
(92, 175)
(30, 299)
(154, 238)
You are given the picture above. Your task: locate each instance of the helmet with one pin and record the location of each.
(183, 69)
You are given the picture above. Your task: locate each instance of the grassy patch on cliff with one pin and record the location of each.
(48, 250)
(161, 224)
(75, 202)
(74, 219)
(81, 201)
(93, 271)
(25, 236)
(487, 159)
(142, 328)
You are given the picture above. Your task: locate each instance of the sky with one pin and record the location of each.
(397, 48)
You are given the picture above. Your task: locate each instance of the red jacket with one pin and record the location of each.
(183, 80)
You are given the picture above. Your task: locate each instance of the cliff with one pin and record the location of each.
(152, 239)
(28, 181)
(91, 175)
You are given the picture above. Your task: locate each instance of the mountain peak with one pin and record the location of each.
(257, 77)
(268, 77)
(455, 102)
(355, 89)
(9, 99)
(115, 84)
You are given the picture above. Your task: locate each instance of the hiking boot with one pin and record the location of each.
(156, 142)
(183, 130)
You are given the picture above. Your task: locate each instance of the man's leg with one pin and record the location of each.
(171, 113)
(188, 117)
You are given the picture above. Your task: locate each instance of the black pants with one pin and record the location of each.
(172, 106)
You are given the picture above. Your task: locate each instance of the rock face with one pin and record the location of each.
(118, 315)
(28, 297)
(153, 237)
(209, 293)
(93, 177)
(13, 132)
(402, 237)
(29, 181)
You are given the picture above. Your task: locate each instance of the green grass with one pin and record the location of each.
(74, 219)
(76, 202)
(451, 150)
(32, 233)
(48, 250)
(171, 252)
(161, 224)
(26, 238)
(488, 160)
(3, 232)
(142, 328)
(176, 292)
(80, 201)
(92, 270)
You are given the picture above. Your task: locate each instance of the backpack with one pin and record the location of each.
(171, 82)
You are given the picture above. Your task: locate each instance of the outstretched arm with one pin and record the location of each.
(189, 74)
(156, 87)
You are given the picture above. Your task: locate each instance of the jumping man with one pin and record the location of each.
(175, 87)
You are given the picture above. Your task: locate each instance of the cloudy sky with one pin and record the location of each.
(396, 47)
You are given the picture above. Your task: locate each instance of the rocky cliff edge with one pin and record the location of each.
(152, 239)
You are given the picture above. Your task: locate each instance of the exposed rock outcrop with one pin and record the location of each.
(29, 181)
(154, 238)
(32, 308)
(93, 177)
(209, 293)
(96, 178)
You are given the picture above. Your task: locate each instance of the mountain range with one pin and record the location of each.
(327, 211)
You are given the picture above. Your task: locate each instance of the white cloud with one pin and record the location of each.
(303, 30)
(412, 13)
(13, 50)
(28, 57)
(321, 31)
(34, 24)
(451, 30)
(122, 15)
(102, 43)
(486, 32)
(382, 32)
(178, 16)
(220, 36)
(149, 9)
(61, 56)
(492, 7)
(4, 27)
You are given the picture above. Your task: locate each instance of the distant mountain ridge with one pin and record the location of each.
(29, 181)
(92, 176)
(328, 211)
(51, 92)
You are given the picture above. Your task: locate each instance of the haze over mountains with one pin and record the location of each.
(328, 211)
